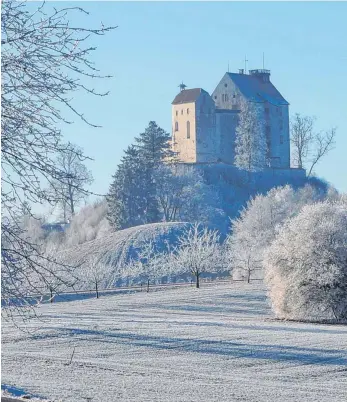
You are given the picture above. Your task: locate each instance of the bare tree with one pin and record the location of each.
(309, 146)
(98, 274)
(44, 60)
(70, 190)
(198, 251)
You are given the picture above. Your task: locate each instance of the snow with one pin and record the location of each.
(218, 343)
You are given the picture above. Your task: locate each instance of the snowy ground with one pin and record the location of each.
(219, 343)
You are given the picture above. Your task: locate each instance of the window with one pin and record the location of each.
(188, 129)
(222, 97)
(215, 96)
(176, 112)
(225, 85)
(268, 130)
(234, 96)
(176, 126)
(182, 111)
(188, 111)
(281, 139)
(226, 98)
(267, 110)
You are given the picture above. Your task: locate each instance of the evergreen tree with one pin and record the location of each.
(132, 197)
(126, 201)
(154, 145)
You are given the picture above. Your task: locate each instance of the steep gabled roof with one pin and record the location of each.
(188, 96)
(255, 89)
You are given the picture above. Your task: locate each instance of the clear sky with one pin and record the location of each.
(159, 44)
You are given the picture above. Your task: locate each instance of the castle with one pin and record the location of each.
(203, 125)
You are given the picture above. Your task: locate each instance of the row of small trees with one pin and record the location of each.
(198, 251)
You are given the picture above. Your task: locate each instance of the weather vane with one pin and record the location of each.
(182, 86)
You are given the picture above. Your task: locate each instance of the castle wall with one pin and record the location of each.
(226, 123)
(185, 147)
(277, 129)
(226, 95)
(207, 141)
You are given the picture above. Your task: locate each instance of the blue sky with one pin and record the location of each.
(159, 44)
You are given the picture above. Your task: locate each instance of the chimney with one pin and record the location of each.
(262, 74)
(241, 70)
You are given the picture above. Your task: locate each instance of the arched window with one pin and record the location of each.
(176, 125)
(188, 129)
(188, 111)
(176, 112)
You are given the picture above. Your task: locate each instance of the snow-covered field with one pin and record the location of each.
(219, 343)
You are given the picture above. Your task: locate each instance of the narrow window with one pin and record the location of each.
(182, 111)
(188, 111)
(281, 139)
(226, 98)
(176, 126)
(176, 112)
(188, 129)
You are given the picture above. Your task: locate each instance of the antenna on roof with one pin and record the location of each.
(246, 65)
(182, 87)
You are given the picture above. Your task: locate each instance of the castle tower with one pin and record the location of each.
(194, 127)
(253, 87)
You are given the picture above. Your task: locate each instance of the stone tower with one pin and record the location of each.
(194, 127)
(257, 88)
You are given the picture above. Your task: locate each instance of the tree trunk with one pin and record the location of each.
(96, 290)
(72, 205)
(51, 291)
(198, 280)
(249, 276)
(147, 285)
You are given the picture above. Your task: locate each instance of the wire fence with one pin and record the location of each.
(147, 286)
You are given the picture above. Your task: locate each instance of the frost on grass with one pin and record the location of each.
(306, 265)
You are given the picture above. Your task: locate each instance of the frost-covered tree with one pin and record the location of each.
(154, 145)
(97, 274)
(149, 263)
(126, 197)
(88, 224)
(306, 265)
(186, 197)
(132, 195)
(198, 251)
(308, 145)
(259, 222)
(45, 59)
(70, 190)
(250, 142)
